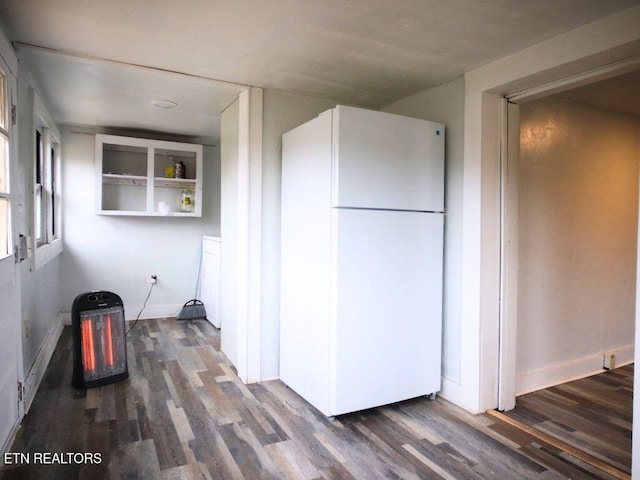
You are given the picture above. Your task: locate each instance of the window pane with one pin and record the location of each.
(4, 164)
(3, 103)
(39, 158)
(52, 194)
(4, 227)
(39, 211)
(4, 171)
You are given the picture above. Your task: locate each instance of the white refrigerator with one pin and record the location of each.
(361, 259)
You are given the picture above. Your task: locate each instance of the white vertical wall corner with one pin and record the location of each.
(249, 240)
(481, 253)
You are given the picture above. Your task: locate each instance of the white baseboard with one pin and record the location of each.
(12, 436)
(567, 371)
(453, 391)
(36, 372)
(152, 311)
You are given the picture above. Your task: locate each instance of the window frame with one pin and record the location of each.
(54, 169)
(5, 132)
(47, 194)
(39, 204)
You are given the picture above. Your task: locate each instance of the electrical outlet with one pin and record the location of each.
(153, 279)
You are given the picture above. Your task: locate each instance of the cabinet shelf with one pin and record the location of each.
(175, 182)
(121, 179)
(126, 213)
(130, 177)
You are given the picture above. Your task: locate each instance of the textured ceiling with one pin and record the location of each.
(94, 93)
(363, 52)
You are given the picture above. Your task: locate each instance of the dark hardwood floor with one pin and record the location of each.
(593, 414)
(183, 413)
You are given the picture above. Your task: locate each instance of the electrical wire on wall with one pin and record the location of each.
(142, 309)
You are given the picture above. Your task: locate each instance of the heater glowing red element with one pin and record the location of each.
(88, 353)
(108, 342)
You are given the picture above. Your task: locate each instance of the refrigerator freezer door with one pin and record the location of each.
(387, 320)
(381, 160)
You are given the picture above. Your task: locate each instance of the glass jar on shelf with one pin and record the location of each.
(180, 170)
(186, 205)
(170, 170)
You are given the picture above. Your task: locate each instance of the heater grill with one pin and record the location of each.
(99, 350)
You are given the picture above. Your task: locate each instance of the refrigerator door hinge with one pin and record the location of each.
(14, 114)
(19, 391)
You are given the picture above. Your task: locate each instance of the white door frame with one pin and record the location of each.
(509, 213)
(250, 236)
(9, 268)
(510, 147)
(241, 231)
(548, 67)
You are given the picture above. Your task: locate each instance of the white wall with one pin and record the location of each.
(445, 104)
(117, 253)
(578, 215)
(229, 143)
(40, 288)
(241, 250)
(281, 113)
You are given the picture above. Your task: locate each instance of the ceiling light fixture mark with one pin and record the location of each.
(166, 104)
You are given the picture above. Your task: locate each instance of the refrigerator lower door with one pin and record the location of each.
(387, 307)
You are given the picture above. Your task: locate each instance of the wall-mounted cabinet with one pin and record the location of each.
(138, 177)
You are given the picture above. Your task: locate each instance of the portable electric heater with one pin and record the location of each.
(99, 339)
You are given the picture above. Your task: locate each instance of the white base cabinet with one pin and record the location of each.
(210, 278)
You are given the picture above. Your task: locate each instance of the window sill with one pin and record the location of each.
(46, 253)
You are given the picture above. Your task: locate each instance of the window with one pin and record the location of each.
(39, 206)
(46, 182)
(53, 194)
(46, 206)
(5, 211)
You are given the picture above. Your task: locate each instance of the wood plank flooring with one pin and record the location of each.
(184, 414)
(593, 414)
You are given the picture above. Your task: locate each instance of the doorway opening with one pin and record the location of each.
(577, 239)
(576, 197)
